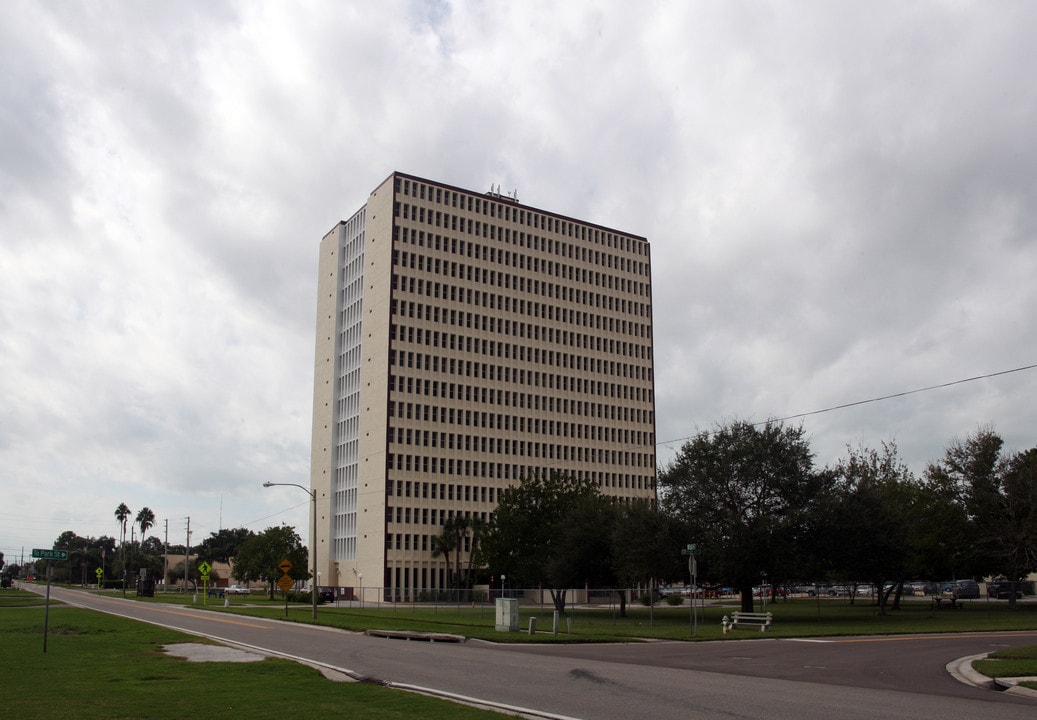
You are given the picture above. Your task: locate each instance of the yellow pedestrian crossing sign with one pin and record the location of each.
(204, 567)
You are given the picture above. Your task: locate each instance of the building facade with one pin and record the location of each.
(464, 342)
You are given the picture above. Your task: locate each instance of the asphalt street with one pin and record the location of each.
(847, 678)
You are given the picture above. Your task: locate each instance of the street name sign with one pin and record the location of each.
(50, 554)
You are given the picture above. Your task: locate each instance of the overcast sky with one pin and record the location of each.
(840, 199)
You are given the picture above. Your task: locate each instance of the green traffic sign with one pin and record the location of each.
(50, 554)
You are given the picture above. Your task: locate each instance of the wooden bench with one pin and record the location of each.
(763, 620)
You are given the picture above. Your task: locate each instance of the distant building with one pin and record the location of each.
(466, 341)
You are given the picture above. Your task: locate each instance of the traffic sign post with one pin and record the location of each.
(100, 574)
(285, 582)
(692, 551)
(204, 569)
(50, 556)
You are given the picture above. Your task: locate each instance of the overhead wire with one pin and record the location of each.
(875, 399)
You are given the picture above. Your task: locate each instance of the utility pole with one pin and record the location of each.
(165, 552)
(187, 552)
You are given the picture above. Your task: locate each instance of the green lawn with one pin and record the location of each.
(1009, 663)
(101, 666)
(127, 676)
(794, 618)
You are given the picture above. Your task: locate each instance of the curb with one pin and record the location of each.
(416, 635)
(961, 670)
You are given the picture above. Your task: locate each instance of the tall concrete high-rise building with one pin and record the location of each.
(466, 341)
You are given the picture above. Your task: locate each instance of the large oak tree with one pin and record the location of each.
(745, 491)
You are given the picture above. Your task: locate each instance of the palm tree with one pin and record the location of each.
(451, 540)
(477, 527)
(122, 514)
(145, 520)
(444, 544)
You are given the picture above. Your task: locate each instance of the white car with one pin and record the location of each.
(237, 590)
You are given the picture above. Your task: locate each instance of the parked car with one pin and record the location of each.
(922, 587)
(1003, 589)
(237, 590)
(966, 590)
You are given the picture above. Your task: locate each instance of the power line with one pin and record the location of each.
(877, 399)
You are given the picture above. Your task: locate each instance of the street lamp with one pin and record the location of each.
(361, 577)
(313, 550)
(502, 593)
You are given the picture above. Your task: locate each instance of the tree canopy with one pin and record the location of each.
(745, 492)
(997, 496)
(223, 545)
(259, 556)
(539, 534)
(869, 523)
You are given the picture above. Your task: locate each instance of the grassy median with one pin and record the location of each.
(793, 618)
(100, 666)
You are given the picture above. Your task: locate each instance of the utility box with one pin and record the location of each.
(507, 614)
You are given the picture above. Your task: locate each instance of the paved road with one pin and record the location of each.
(848, 678)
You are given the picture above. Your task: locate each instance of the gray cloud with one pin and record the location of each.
(840, 201)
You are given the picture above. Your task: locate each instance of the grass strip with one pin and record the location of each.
(99, 666)
(1010, 663)
(794, 618)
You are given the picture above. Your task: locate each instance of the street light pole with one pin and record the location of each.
(313, 550)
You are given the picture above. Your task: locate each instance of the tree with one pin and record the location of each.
(969, 468)
(584, 541)
(259, 556)
(997, 495)
(528, 539)
(1016, 525)
(222, 546)
(451, 540)
(745, 492)
(646, 547)
(940, 535)
(477, 527)
(145, 520)
(122, 514)
(870, 525)
(85, 555)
